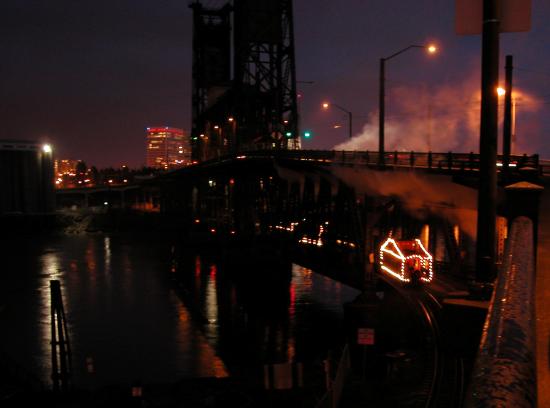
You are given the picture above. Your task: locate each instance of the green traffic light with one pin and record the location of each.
(307, 134)
(288, 134)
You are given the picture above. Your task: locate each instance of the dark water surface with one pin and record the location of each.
(152, 310)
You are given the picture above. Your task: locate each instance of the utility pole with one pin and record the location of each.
(507, 125)
(430, 126)
(381, 110)
(487, 193)
(350, 121)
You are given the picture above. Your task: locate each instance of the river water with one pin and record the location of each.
(152, 310)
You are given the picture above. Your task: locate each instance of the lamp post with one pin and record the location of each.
(326, 105)
(509, 123)
(382, 95)
(218, 143)
(233, 144)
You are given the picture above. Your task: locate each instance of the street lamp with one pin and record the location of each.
(431, 49)
(326, 105)
(217, 141)
(233, 140)
(512, 105)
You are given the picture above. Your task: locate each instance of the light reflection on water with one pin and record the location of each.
(126, 316)
(50, 265)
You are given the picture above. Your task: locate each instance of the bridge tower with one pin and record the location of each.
(211, 74)
(256, 108)
(265, 74)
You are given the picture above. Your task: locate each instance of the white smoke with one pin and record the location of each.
(446, 119)
(419, 192)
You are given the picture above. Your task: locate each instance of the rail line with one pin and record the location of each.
(443, 383)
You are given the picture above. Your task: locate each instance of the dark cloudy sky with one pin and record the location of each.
(89, 76)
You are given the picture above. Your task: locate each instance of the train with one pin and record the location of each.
(408, 261)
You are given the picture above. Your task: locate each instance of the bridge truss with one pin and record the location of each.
(257, 107)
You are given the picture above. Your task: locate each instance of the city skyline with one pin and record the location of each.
(87, 77)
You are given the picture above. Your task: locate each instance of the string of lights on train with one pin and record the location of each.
(395, 263)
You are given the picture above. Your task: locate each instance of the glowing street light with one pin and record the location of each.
(431, 49)
(47, 148)
(327, 105)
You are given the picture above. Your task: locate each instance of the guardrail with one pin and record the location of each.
(335, 387)
(544, 167)
(505, 369)
(428, 160)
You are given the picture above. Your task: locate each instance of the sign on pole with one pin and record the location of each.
(514, 15)
(365, 336)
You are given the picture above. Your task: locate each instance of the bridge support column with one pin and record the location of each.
(522, 199)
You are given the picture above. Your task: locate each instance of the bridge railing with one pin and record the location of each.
(544, 167)
(335, 387)
(505, 370)
(428, 160)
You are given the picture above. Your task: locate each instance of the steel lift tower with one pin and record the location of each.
(257, 108)
(265, 72)
(211, 72)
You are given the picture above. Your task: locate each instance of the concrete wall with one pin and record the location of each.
(26, 178)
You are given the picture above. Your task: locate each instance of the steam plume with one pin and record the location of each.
(446, 119)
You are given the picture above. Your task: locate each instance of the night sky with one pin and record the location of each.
(90, 76)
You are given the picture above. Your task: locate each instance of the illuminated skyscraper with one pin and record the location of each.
(167, 148)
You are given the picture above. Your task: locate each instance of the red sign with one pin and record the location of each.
(365, 336)
(514, 15)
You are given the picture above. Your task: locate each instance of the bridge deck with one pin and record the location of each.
(543, 299)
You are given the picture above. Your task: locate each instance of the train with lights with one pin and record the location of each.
(407, 261)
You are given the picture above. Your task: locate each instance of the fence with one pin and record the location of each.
(505, 371)
(335, 387)
(428, 160)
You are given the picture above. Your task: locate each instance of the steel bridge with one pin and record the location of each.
(337, 198)
(334, 208)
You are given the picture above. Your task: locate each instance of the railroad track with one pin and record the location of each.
(442, 383)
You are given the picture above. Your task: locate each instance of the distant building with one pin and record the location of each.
(26, 178)
(68, 174)
(167, 148)
(65, 167)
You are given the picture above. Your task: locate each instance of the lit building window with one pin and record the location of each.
(167, 148)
